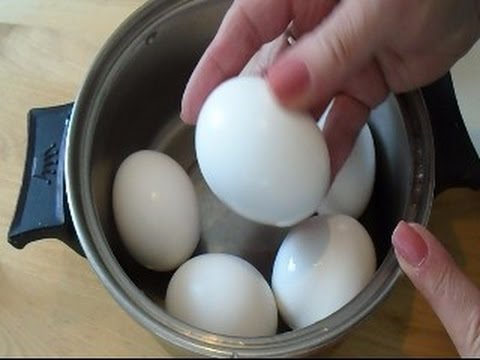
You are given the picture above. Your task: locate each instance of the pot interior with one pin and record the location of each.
(138, 108)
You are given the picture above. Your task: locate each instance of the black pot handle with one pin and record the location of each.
(42, 209)
(457, 164)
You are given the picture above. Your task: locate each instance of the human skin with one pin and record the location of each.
(343, 48)
(355, 52)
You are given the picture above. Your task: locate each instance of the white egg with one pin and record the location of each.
(352, 188)
(267, 163)
(224, 294)
(322, 264)
(156, 210)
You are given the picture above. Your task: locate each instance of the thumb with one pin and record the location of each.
(311, 72)
(452, 296)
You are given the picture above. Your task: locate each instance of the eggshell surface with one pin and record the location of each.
(224, 294)
(322, 264)
(352, 187)
(267, 163)
(156, 210)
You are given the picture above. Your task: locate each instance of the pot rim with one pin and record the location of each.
(79, 142)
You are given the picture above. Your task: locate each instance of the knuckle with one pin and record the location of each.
(255, 34)
(442, 283)
(339, 48)
(345, 41)
(472, 343)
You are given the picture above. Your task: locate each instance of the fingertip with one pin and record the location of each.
(186, 113)
(290, 81)
(409, 244)
(186, 119)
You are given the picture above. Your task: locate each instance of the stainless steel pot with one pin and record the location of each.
(130, 101)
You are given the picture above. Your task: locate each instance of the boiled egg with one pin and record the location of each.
(267, 163)
(321, 265)
(224, 294)
(156, 210)
(352, 188)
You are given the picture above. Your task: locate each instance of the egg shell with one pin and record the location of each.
(156, 210)
(265, 162)
(322, 264)
(224, 294)
(352, 188)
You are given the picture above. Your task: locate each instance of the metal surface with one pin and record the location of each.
(131, 100)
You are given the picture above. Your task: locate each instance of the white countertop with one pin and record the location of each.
(466, 79)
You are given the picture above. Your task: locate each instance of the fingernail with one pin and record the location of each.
(409, 245)
(290, 80)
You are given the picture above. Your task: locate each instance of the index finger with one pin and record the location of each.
(247, 25)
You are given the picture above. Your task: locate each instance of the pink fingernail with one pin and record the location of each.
(409, 244)
(290, 80)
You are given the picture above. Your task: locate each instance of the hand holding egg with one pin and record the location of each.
(267, 163)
